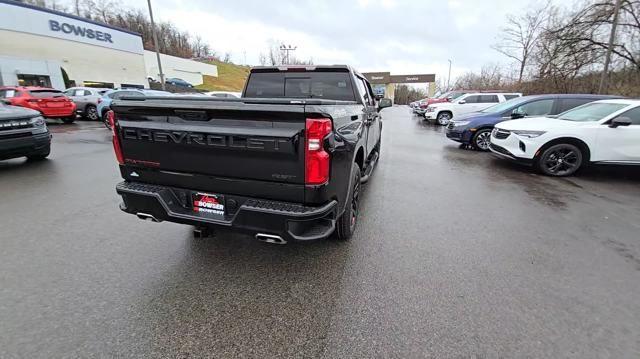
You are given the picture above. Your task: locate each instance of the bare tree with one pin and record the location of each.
(588, 30)
(519, 36)
(490, 78)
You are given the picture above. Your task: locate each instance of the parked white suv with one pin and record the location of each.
(444, 112)
(601, 132)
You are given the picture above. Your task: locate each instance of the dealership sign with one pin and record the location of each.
(22, 18)
(89, 33)
(387, 78)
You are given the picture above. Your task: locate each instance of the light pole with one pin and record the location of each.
(155, 44)
(286, 50)
(603, 80)
(449, 76)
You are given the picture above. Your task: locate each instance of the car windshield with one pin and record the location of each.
(455, 95)
(507, 105)
(591, 112)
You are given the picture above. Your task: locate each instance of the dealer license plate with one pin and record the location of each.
(208, 203)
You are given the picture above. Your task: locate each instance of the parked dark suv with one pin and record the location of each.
(23, 132)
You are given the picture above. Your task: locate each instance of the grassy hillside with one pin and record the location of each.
(230, 78)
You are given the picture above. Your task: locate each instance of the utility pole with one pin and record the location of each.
(603, 80)
(449, 76)
(286, 50)
(155, 44)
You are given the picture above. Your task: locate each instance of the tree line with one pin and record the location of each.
(554, 50)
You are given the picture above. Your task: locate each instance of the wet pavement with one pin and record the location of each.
(456, 254)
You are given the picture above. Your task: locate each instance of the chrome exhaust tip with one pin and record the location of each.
(270, 238)
(147, 217)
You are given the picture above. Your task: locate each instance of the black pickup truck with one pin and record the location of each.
(284, 162)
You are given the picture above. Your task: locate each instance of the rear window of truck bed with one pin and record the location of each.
(319, 85)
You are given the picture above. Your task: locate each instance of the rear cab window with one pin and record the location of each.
(306, 84)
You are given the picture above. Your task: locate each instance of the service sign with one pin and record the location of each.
(28, 19)
(408, 79)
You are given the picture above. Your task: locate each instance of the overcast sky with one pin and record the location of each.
(401, 36)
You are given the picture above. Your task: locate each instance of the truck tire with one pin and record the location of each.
(40, 156)
(346, 223)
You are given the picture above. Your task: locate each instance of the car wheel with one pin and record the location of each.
(443, 118)
(40, 156)
(91, 113)
(482, 139)
(346, 224)
(69, 120)
(560, 160)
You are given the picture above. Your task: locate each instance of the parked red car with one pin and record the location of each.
(49, 102)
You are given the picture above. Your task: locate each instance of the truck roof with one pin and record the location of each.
(301, 68)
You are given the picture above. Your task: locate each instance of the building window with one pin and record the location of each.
(96, 84)
(131, 86)
(34, 80)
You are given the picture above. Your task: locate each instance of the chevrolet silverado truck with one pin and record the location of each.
(284, 162)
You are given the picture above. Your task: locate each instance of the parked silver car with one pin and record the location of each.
(86, 100)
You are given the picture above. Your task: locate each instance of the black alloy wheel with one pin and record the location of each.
(560, 160)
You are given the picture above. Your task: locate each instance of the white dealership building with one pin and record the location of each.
(41, 47)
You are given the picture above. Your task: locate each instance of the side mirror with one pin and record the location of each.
(449, 98)
(462, 102)
(516, 115)
(384, 103)
(620, 121)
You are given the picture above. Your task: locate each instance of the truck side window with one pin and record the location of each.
(372, 97)
(362, 90)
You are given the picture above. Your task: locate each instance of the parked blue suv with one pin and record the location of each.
(475, 128)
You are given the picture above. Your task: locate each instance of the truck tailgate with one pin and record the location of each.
(229, 139)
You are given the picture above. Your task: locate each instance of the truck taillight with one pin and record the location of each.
(317, 160)
(111, 117)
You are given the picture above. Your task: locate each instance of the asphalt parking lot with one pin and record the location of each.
(456, 254)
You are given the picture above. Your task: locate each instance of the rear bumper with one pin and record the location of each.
(290, 221)
(67, 112)
(26, 145)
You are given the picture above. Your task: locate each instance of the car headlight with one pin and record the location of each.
(529, 134)
(461, 123)
(37, 121)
